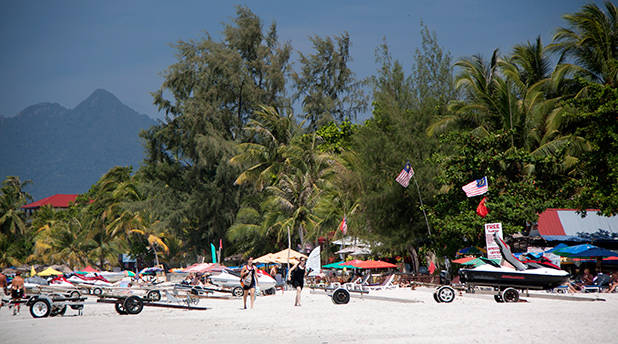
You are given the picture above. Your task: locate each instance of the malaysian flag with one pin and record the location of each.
(404, 176)
(343, 226)
(475, 188)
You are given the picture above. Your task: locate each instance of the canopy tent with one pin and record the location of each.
(49, 272)
(558, 247)
(32, 271)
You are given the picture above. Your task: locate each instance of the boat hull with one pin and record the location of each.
(516, 279)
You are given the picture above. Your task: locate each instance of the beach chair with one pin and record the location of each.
(600, 282)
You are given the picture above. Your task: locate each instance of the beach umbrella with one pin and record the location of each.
(463, 260)
(585, 251)
(480, 261)
(49, 272)
(87, 270)
(558, 247)
(336, 265)
(129, 273)
(267, 258)
(375, 264)
(150, 270)
(32, 271)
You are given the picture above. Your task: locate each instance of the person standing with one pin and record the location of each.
(17, 292)
(249, 281)
(297, 278)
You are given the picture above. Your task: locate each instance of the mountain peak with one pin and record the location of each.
(47, 109)
(99, 98)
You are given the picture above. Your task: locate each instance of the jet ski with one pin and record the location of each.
(526, 274)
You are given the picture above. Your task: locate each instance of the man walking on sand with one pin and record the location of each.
(17, 292)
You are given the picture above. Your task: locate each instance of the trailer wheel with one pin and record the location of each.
(58, 311)
(498, 298)
(237, 291)
(119, 308)
(435, 296)
(75, 294)
(133, 304)
(446, 294)
(510, 295)
(40, 308)
(97, 291)
(77, 307)
(341, 296)
(154, 295)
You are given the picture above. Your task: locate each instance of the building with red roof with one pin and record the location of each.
(57, 201)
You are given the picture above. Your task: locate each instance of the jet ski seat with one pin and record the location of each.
(508, 255)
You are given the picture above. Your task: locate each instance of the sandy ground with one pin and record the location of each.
(469, 319)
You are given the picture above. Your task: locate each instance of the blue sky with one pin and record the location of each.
(61, 51)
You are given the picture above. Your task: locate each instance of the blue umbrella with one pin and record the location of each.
(558, 247)
(584, 251)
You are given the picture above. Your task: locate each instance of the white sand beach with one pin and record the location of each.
(469, 319)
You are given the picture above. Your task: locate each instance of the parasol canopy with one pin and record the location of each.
(463, 260)
(87, 270)
(336, 265)
(49, 272)
(374, 264)
(585, 251)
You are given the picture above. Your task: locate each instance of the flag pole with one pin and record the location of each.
(422, 207)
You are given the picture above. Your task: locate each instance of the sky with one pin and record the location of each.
(61, 51)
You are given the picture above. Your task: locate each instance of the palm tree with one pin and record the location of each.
(591, 41)
(262, 157)
(12, 198)
(146, 226)
(63, 242)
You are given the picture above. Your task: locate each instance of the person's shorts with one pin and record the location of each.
(250, 286)
(17, 293)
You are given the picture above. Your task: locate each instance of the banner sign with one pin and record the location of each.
(493, 251)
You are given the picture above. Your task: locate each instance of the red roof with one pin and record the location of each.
(56, 201)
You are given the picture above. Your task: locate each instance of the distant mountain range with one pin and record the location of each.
(67, 150)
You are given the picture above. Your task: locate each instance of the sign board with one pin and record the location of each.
(127, 258)
(493, 251)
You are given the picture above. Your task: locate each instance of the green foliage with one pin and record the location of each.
(326, 85)
(335, 138)
(514, 198)
(593, 116)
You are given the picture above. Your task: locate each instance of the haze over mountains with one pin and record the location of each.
(67, 150)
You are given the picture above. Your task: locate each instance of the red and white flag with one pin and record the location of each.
(343, 226)
(477, 187)
(404, 176)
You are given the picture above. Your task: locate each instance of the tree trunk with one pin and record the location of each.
(414, 256)
(301, 234)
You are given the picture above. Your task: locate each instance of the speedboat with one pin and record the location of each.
(526, 274)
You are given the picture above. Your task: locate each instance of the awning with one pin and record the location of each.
(568, 225)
